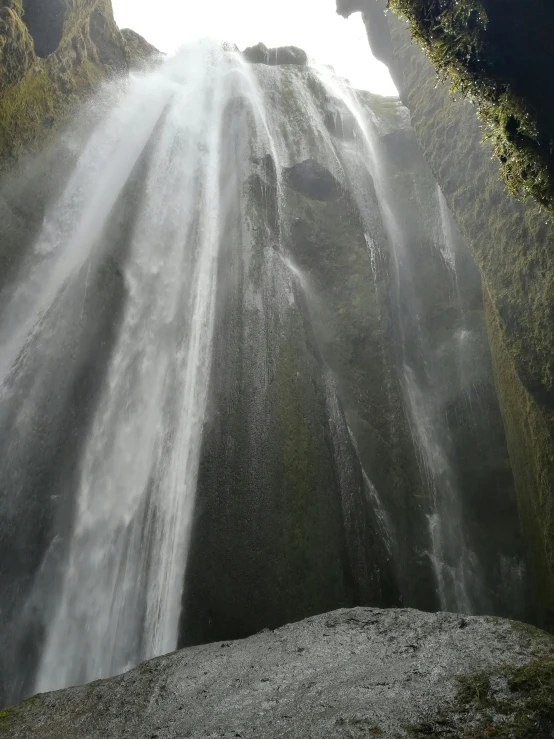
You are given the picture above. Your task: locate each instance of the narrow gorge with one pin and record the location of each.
(271, 347)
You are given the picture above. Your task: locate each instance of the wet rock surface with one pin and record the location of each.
(513, 243)
(350, 673)
(311, 179)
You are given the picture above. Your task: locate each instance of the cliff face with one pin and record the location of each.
(500, 57)
(350, 364)
(51, 56)
(257, 303)
(514, 246)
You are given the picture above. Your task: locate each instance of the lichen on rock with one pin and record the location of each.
(363, 672)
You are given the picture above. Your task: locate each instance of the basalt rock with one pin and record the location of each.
(309, 178)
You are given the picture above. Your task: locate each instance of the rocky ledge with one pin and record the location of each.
(359, 672)
(260, 54)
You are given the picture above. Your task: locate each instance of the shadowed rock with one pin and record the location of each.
(311, 179)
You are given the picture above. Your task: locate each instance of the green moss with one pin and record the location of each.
(15, 715)
(456, 39)
(531, 448)
(511, 702)
(27, 107)
(7, 714)
(33, 108)
(526, 711)
(16, 45)
(38, 94)
(533, 632)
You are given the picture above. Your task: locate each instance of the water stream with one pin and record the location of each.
(117, 594)
(456, 568)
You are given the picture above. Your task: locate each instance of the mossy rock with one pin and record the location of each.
(499, 58)
(16, 45)
(51, 57)
(510, 702)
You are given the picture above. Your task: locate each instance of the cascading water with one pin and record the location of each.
(223, 306)
(118, 592)
(425, 377)
(138, 469)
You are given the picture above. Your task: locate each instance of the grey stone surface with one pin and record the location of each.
(351, 673)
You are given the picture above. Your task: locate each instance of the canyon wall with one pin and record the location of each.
(513, 243)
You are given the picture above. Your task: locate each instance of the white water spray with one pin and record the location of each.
(119, 598)
(455, 566)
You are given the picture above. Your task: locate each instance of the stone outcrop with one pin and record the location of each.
(513, 243)
(281, 529)
(350, 673)
(260, 54)
(51, 56)
(309, 178)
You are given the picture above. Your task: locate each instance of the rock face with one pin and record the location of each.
(350, 673)
(514, 246)
(309, 178)
(282, 527)
(501, 59)
(51, 56)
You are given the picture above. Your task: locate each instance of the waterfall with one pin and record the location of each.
(456, 568)
(117, 599)
(222, 399)
(139, 465)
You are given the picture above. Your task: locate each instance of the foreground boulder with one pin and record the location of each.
(351, 673)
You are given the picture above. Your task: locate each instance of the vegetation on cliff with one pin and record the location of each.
(499, 56)
(507, 702)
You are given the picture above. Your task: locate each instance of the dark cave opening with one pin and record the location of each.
(45, 23)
